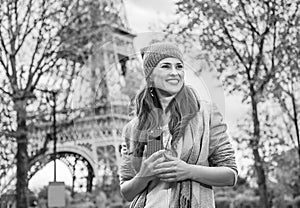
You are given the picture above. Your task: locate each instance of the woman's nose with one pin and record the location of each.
(174, 70)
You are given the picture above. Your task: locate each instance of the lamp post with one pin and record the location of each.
(54, 93)
(56, 190)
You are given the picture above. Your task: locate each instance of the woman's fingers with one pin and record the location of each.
(148, 165)
(165, 170)
(169, 180)
(170, 157)
(166, 164)
(158, 161)
(172, 170)
(156, 155)
(167, 176)
(151, 167)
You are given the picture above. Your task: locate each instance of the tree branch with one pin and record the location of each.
(54, 60)
(233, 47)
(26, 21)
(2, 41)
(271, 72)
(259, 56)
(247, 18)
(283, 103)
(39, 40)
(36, 21)
(17, 29)
(40, 151)
(37, 67)
(5, 92)
(26, 17)
(288, 130)
(3, 64)
(8, 14)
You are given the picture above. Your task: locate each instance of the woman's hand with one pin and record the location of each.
(148, 165)
(139, 182)
(172, 170)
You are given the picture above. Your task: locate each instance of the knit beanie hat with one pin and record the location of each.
(156, 52)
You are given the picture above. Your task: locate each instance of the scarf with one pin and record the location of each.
(182, 194)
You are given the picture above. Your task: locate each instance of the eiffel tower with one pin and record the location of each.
(90, 144)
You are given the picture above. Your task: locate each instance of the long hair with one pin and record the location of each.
(148, 109)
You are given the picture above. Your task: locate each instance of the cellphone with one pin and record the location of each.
(154, 144)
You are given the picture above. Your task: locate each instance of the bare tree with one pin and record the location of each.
(29, 44)
(43, 44)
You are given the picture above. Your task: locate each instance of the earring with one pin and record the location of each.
(151, 92)
(151, 87)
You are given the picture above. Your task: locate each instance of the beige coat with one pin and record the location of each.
(205, 142)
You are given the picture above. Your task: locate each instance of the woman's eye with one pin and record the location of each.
(179, 67)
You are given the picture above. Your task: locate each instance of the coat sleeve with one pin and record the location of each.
(126, 169)
(221, 152)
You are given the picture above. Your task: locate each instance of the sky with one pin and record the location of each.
(143, 15)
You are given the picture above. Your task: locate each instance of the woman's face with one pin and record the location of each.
(168, 75)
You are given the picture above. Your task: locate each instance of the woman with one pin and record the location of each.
(177, 146)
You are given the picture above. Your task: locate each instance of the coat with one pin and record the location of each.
(205, 142)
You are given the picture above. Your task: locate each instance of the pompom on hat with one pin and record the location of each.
(156, 52)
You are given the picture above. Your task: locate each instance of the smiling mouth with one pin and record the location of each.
(173, 81)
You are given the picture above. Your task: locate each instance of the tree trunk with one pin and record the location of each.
(295, 120)
(22, 154)
(258, 164)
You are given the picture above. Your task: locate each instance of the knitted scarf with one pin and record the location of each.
(182, 193)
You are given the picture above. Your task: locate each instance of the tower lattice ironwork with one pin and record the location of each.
(90, 144)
